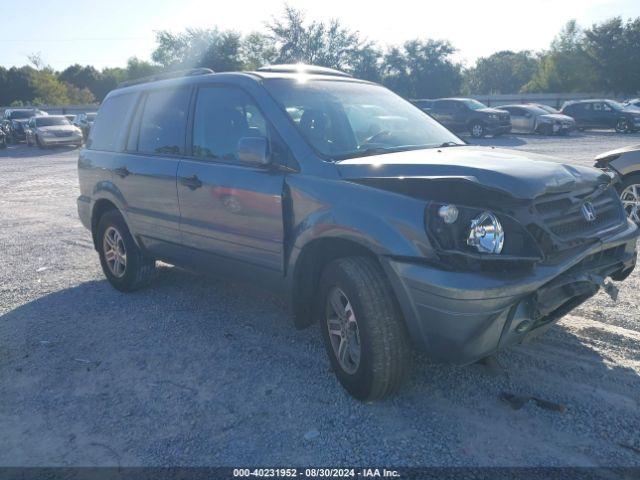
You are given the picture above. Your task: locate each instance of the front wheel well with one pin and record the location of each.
(101, 207)
(306, 276)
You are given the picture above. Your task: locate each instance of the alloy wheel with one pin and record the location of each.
(115, 253)
(630, 197)
(343, 330)
(622, 126)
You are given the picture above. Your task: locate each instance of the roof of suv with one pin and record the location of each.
(195, 76)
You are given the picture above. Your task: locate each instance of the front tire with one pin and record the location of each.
(630, 197)
(477, 130)
(623, 126)
(123, 263)
(39, 143)
(362, 327)
(545, 129)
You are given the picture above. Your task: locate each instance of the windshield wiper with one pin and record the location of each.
(450, 144)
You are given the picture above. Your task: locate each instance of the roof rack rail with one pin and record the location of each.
(302, 68)
(167, 75)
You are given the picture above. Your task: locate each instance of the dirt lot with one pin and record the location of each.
(196, 371)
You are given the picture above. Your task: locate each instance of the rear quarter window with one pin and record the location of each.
(108, 130)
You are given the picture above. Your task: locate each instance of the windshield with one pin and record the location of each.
(91, 116)
(537, 110)
(547, 108)
(50, 121)
(615, 105)
(20, 114)
(474, 104)
(347, 119)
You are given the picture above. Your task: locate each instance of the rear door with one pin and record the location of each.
(145, 173)
(230, 209)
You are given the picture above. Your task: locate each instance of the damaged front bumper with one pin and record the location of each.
(461, 317)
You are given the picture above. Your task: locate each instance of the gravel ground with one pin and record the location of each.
(198, 371)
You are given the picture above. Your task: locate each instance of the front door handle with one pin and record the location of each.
(122, 171)
(192, 182)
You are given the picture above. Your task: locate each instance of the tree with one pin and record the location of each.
(613, 49)
(328, 45)
(137, 68)
(501, 72)
(422, 69)
(564, 67)
(220, 51)
(258, 50)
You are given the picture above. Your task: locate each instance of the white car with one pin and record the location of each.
(528, 118)
(52, 130)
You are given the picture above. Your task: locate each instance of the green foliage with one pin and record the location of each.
(502, 72)
(604, 57)
(215, 49)
(564, 67)
(422, 69)
(317, 43)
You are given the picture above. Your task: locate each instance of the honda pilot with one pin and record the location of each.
(374, 220)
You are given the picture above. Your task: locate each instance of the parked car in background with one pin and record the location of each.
(546, 108)
(373, 219)
(3, 138)
(52, 130)
(532, 119)
(626, 163)
(469, 115)
(603, 114)
(84, 121)
(634, 102)
(424, 105)
(15, 120)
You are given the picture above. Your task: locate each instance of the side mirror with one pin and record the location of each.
(254, 150)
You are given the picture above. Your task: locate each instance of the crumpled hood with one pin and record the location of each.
(519, 174)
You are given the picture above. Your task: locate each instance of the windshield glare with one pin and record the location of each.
(51, 121)
(474, 104)
(616, 105)
(348, 119)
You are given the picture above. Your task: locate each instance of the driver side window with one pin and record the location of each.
(223, 116)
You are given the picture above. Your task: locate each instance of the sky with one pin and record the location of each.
(108, 32)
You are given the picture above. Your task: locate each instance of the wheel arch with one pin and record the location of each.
(308, 267)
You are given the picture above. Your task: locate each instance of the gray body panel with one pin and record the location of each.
(257, 222)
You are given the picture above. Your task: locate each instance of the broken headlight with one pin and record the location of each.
(474, 231)
(486, 234)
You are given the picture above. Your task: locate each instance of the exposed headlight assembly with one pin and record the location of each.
(478, 233)
(486, 234)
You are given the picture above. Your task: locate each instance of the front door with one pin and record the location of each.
(230, 209)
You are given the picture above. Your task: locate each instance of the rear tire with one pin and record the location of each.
(623, 126)
(384, 350)
(113, 235)
(477, 130)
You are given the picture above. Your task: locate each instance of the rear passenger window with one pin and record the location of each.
(110, 123)
(223, 116)
(164, 122)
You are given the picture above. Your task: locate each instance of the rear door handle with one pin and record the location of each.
(192, 182)
(122, 171)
